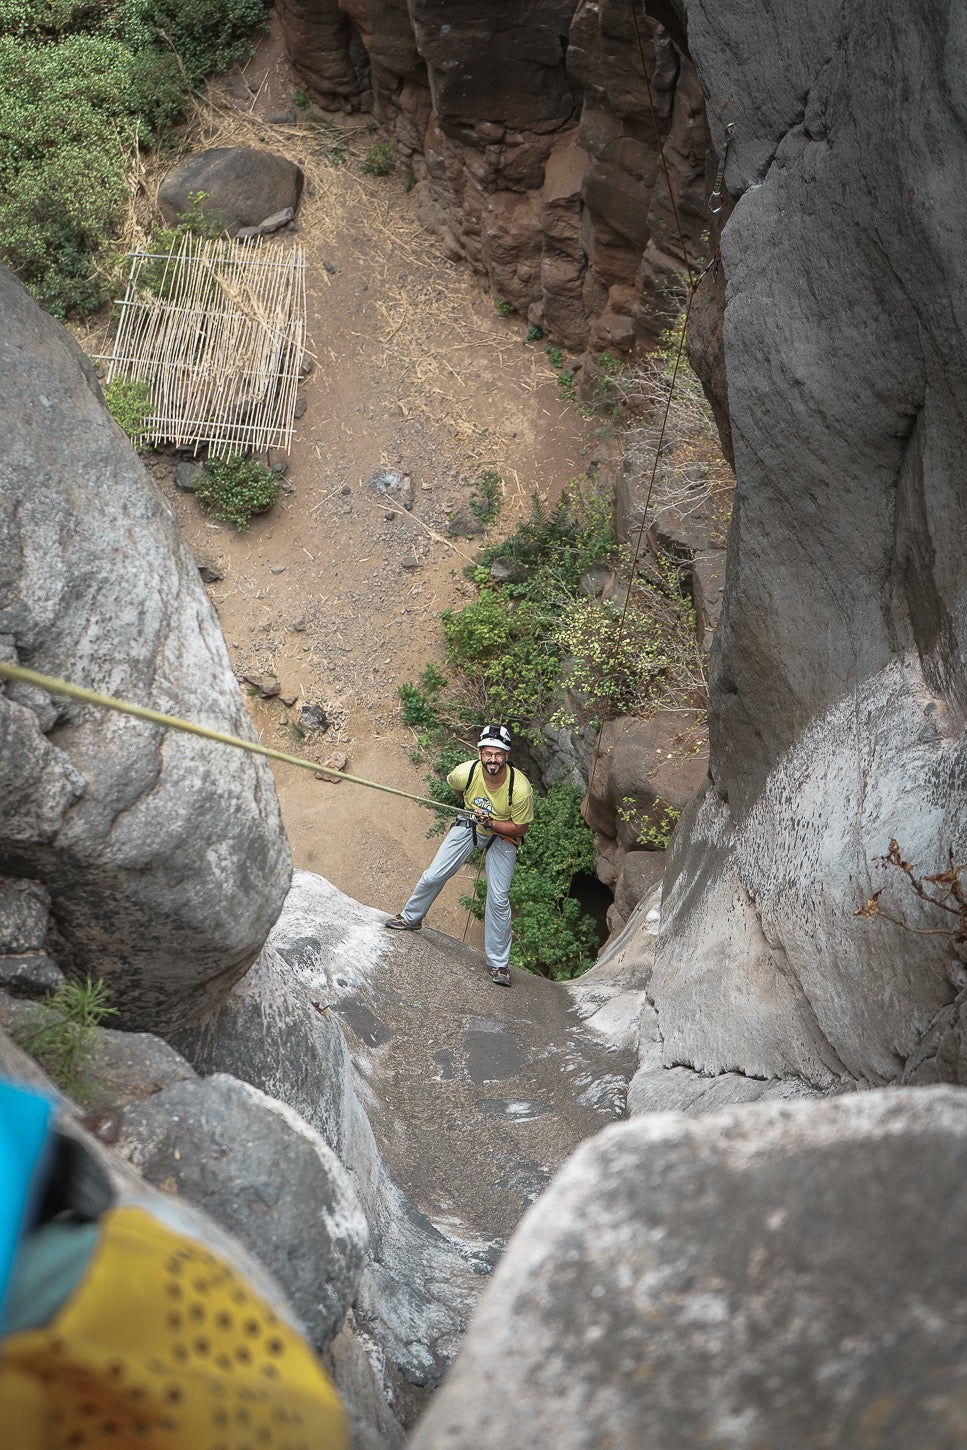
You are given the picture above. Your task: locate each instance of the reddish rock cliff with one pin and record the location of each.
(535, 140)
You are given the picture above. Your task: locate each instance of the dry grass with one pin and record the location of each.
(415, 303)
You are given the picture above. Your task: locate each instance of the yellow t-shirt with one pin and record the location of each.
(493, 799)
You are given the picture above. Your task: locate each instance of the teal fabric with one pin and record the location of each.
(24, 1149)
(49, 1267)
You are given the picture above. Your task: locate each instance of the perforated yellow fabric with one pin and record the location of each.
(164, 1345)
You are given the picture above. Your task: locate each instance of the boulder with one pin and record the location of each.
(161, 854)
(219, 1143)
(24, 916)
(647, 772)
(242, 188)
(779, 1274)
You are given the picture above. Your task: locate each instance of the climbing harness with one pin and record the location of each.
(54, 686)
(467, 818)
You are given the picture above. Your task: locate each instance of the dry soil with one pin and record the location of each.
(337, 590)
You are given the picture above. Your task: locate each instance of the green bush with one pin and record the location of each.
(233, 489)
(80, 84)
(129, 404)
(41, 19)
(420, 708)
(379, 159)
(504, 651)
(554, 547)
(207, 35)
(636, 659)
(552, 936)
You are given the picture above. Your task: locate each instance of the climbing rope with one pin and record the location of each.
(715, 203)
(54, 686)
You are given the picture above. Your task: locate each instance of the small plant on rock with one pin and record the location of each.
(652, 834)
(505, 308)
(60, 1033)
(233, 489)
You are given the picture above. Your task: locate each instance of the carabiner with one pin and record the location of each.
(716, 199)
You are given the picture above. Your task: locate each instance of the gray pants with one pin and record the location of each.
(499, 861)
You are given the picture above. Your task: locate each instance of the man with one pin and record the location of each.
(500, 806)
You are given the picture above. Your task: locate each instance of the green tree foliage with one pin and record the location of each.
(80, 84)
(235, 488)
(504, 652)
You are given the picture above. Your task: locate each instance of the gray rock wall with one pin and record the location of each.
(162, 856)
(839, 691)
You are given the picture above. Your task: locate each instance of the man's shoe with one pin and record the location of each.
(500, 976)
(400, 923)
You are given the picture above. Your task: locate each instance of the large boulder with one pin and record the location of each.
(161, 856)
(333, 1020)
(220, 1143)
(239, 187)
(783, 1274)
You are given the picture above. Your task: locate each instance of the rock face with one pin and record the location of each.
(159, 857)
(839, 689)
(770, 1276)
(219, 1143)
(533, 141)
(378, 1043)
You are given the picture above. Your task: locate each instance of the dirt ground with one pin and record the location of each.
(337, 590)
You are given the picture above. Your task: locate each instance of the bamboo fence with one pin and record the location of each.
(217, 331)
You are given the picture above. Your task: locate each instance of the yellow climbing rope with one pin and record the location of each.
(54, 686)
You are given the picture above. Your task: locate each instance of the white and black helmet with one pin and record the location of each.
(496, 736)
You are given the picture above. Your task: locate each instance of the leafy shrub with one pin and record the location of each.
(207, 35)
(233, 489)
(420, 709)
(79, 85)
(552, 937)
(634, 659)
(554, 547)
(61, 162)
(504, 652)
(41, 19)
(129, 404)
(379, 159)
(505, 308)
